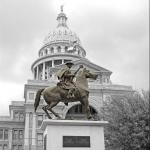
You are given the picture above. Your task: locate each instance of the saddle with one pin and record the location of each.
(66, 85)
(70, 87)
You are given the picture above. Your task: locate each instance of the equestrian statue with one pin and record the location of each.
(67, 90)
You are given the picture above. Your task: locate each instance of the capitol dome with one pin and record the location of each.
(62, 33)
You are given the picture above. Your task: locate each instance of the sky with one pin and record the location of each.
(114, 33)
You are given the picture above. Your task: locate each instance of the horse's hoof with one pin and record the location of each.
(90, 118)
(58, 117)
(49, 117)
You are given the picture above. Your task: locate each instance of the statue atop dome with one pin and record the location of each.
(61, 8)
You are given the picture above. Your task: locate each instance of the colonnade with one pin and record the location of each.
(44, 66)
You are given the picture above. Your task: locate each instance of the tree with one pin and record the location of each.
(128, 118)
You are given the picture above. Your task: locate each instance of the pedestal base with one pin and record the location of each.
(67, 134)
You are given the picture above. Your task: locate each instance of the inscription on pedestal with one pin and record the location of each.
(76, 141)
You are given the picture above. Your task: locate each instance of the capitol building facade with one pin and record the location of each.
(21, 130)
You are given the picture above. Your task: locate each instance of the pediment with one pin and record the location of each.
(91, 66)
(86, 63)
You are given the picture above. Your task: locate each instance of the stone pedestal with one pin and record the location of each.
(69, 134)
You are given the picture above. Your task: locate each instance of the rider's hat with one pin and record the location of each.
(69, 63)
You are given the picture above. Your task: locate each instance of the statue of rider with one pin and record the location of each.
(66, 79)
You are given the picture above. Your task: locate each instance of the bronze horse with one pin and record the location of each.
(54, 95)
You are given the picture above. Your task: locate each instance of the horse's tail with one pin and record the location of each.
(37, 99)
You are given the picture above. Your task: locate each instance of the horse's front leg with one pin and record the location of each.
(87, 107)
(53, 104)
(45, 109)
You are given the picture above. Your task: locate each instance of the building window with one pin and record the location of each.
(52, 50)
(40, 120)
(46, 51)
(14, 147)
(40, 139)
(5, 134)
(1, 133)
(58, 49)
(16, 116)
(49, 64)
(21, 118)
(57, 62)
(66, 49)
(20, 147)
(20, 134)
(31, 96)
(5, 147)
(15, 134)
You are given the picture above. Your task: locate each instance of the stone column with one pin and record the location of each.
(48, 50)
(52, 63)
(10, 139)
(11, 114)
(63, 61)
(37, 72)
(55, 49)
(26, 135)
(34, 74)
(43, 74)
(34, 132)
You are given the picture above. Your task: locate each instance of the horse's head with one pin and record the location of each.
(88, 74)
(82, 76)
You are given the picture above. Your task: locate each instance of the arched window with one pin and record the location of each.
(52, 50)
(66, 48)
(41, 54)
(58, 49)
(46, 51)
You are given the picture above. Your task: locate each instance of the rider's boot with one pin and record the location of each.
(70, 93)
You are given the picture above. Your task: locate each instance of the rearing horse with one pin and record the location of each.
(54, 95)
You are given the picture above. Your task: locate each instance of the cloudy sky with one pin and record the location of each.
(114, 34)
